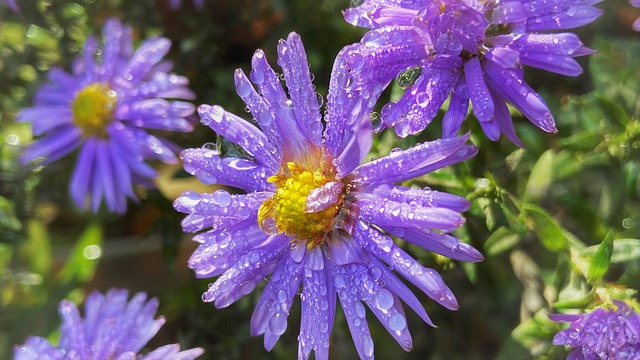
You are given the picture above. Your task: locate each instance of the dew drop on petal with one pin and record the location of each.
(278, 324)
(397, 322)
(221, 197)
(383, 299)
(397, 155)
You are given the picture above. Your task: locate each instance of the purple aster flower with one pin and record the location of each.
(174, 4)
(11, 3)
(470, 50)
(113, 328)
(312, 217)
(104, 107)
(604, 333)
(636, 24)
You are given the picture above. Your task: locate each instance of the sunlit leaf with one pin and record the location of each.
(84, 256)
(541, 177)
(624, 250)
(601, 259)
(546, 227)
(501, 240)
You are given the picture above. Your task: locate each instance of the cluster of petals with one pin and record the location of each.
(139, 82)
(636, 24)
(605, 333)
(468, 51)
(112, 328)
(355, 258)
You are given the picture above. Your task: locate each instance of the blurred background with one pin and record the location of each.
(557, 222)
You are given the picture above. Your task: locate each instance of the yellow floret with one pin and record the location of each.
(93, 109)
(287, 206)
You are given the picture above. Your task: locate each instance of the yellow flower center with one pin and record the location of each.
(287, 206)
(93, 109)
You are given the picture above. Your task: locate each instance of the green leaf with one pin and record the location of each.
(601, 259)
(576, 303)
(84, 255)
(624, 250)
(540, 178)
(546, 227)
(501, 240)
(37, 248)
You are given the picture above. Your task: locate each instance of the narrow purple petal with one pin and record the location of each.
(457, 111)
(422, 197)
(292, 59)
(383, 212)
(402, 165)
(503, 117)
(573, 17)
(72, 336)
(150, 52)
(54, 145)
(219, 209)
(211, 168)
(427, 280)
(318, 308)
(83, 173)
(45, 118)
(244, 275)
(478, 91)
(443, 244)
(240, 132)
(356, 148)
(511, 86)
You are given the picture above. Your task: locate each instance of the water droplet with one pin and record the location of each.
(375, 119)
(383, 299)
(397, 322)
(397, 155)
(339, 281)
(449, 241)
(367, 346)
(278, 324)
(221, 197)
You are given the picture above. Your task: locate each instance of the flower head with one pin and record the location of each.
(470, 50)
(636, 24)
(604, 333)
(104, 107)
(174, 4)
(113, 328)
(11, 3)
(312, 217)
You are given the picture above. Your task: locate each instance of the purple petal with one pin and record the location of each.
(402, 165)
(222, 248)
(422, 197)
(241, 132)
(318, 308)
(150, 52)
(457, 111)
(513, 88)
(295, 67)
(427, 280)
(259, 108)
(478, 91)
(356, 148)
(385, 212)
(211, 168)
(244, 275)
(271, 311)
(443, 244)
(54, 145)
(72, 336)
(503, 117)
(573, 17)
(45, 118)
(295, 144)
(219, 209)
(83, 172)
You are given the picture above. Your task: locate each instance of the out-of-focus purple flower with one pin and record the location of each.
(112, 328)
(104, 107)
(636, 24)
(312, 217)
(11, 3)
(469, 50)
(174, 4)
(604, 333)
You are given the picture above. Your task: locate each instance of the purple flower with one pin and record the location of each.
(174, 4)
(636, 24)
(312, 217)
(103, 107)
(469, 50)
(11, 3)
(113, 328)
(604, 333)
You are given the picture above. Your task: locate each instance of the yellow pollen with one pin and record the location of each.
(287, 205)
(93, 109)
